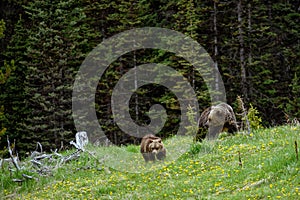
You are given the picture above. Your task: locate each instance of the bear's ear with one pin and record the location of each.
(157, 140)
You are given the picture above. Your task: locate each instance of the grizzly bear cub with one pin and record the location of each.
(152, 148)
(216, 119)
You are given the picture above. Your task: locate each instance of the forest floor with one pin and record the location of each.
(262, 165)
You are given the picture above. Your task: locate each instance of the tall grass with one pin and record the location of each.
(262, 165)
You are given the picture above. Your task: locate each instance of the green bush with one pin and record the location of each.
(253, 117)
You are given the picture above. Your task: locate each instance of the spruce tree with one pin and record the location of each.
(57, 41)
(3, 76)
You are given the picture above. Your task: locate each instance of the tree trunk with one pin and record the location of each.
(250, 46)
(217, 81)
(242, 51)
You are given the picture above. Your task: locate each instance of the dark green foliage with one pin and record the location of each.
(2, 28)
(293, 105)
(255, 45)
(13, 95)
(57, 46)
(3, 77)
(48, 55)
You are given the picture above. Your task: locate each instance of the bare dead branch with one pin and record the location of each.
(72, 156)
(35, 162)
(57, 154)
(29, 177)
(13, 158)
(244, 114)
(255, 184)
(81, 140)
(61, 146)
(43, 156)
(17, 180)
(44, 164)
(35, 154)
(39, 145)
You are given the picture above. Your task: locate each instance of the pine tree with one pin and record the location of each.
(293, 104)
(3, 77)
(56, 43)
(256, 49)
(273, 39)
(122, 16)
(191, 18)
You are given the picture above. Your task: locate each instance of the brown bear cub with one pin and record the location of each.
(152, 148)
(216, 119)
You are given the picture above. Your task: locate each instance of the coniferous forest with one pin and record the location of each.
(255, 45)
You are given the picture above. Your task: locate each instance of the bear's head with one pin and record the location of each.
(215, 121)
(155, 145)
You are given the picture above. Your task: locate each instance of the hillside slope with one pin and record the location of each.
(262, 165)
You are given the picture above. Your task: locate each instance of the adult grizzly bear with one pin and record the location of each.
(152, 148)
(216, 119)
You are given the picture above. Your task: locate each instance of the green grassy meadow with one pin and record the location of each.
(262, 165)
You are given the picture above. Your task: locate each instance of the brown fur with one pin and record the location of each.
(152, 148)
(216, 119)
